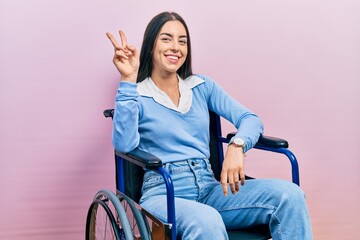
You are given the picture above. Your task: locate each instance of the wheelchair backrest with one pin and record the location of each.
(133, 174)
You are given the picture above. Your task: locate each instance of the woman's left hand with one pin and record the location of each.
(233, 169)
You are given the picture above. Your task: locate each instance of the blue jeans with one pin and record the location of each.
(203, 212)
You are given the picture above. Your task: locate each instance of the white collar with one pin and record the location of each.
(148, 88)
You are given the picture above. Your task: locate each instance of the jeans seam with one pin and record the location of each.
(279, 230)
(236, 207)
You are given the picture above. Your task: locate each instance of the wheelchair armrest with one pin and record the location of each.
(141, 158)
(274, 142)
(267, 141)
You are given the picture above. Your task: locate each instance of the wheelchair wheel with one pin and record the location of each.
(138, 221)
(107, 218)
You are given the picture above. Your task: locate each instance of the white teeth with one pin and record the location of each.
(173, 57)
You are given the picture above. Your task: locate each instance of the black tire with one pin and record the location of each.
(100, 222)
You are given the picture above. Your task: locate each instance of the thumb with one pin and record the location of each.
(133, 50)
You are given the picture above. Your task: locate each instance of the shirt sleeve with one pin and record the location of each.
(125, 135)
(249, 127)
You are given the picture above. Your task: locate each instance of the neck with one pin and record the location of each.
(168, 84)
(165, 82)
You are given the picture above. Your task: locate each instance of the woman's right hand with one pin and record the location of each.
(126, 58)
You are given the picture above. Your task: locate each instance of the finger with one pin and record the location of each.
(223, 181)
(242, 177)
(132, 50)
(121, 54)
(237, 187)
(231, 183)
(236, 181)
(123, 38)
(112, 40)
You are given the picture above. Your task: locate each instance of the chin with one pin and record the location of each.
(172, 69)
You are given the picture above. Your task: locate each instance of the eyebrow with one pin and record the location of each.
(170, 35)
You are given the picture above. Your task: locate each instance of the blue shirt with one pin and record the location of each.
(140, 120)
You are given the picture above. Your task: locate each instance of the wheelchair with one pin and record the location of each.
(119, 216)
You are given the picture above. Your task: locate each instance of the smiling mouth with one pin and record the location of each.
(172, 58)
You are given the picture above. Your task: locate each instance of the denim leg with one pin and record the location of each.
(279, 203)
(192, 179)
(203, 212)
(195, 221)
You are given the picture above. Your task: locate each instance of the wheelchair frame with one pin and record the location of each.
(148, 161)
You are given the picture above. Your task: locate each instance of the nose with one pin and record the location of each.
(175, 46)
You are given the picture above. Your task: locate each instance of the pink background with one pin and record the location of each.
(295, 63)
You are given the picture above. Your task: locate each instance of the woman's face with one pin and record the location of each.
(170, 48)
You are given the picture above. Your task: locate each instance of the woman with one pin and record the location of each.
(162, 108)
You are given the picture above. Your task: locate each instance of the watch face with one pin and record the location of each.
(239, 141)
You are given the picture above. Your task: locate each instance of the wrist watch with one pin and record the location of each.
(238, 142)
